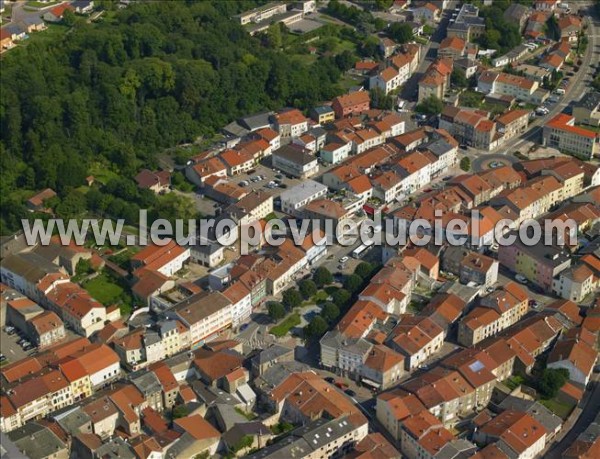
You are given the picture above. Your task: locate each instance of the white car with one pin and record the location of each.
(344, 259)
(521, 279)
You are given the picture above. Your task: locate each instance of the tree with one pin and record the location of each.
(430, 106)
(341, 297)
(458, 78)
(69, 18)
(307, 288)
(381, 100)
(353, 283)
(180, 411)
(364, 270)
(83, 267)
(276, 310)
(322, 277)
(465, 164)
(316, 328)
(401, 32)
(330, 311)
(551, 381)
(245, 442)
(291, 298)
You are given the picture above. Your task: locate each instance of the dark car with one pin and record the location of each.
(243, 327)
(330, 380)
(350, 392)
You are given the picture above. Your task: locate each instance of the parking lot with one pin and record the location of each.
(10, 349)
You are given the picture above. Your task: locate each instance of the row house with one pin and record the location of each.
(167, 258)
(423, 436)
(576, 356)
(416, 167)
(199, 172)
(578, 281)
(471, 127)
(394, 407)
(350, 104)
(290, 123)
(445, 393)
(398, 71)
(444, 309)
(271, 136)
(515, 433)
(237, 162)
(513, 123)
(295, 161)
(417, 338)
(436, 80)
(336, 152)
(496, 312)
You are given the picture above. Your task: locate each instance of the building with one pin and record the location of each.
(427, 12)
(515, 433)
(159, 181)
(417, 338)
(295, 161)
(587, 109)
(207, 314)
(452, 47)
(436, 80)
(56, 14)
(262, 13)
(167, 259)
(467, 24)
(576, 282)
(517, 14)
(350, 104)
(561, 133)
(294, 199)
(506, 84)
(322, 114)
(576, 356)
(569, 27)
(496, 312)
(291, 123)
(237, 161)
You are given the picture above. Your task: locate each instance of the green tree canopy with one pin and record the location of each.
(401, 32)
(291, 298)
(330, 311)
(316, 328)
(551, 381)
(353, 283)
(341, 298)
(430, 106)
(307, 288)
(276, 310)
(322, 277)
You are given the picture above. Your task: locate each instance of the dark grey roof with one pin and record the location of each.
(317, 132)
(295, 154)
(81, 3)
(115, 448)
(253, 428)
(304, 440)
(277, 373)
(236, 129)
(32, 20)
(30, 266)
(256, 121)
(226, 415)
(146, 382)
(74, 421)
(590, 100)
(14, 29)
(271, 353)
(323, 109)
(35, 441)
(457, 449)
(210, 395)
(515, 12)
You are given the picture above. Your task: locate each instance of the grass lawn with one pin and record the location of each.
(284, 327)
(52, 35)
(247, 415)
(40, 4)
(101, 173)
(560, 409)
(320, 297)
(104, 289)
(514, 381)
(347, 81)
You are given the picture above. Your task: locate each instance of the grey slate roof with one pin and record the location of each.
(35, 441)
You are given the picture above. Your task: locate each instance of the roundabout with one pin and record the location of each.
(493, 161)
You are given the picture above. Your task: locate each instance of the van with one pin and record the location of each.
(559, 91)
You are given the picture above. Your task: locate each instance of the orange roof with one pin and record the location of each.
(352, 99)
(233, 158)
(580, 354)
(402, 404)
(560, 122)
(382, 359)
(519, 430)
(453, 43)
(21, 368)
(149, 281)
(292, 116)
(197, 427)
(360, 319)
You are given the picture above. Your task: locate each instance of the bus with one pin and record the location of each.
(359, 251)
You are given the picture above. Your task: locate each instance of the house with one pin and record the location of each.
(514, 432)
(291, 123)
(561, 133)
(36, 202)
(452, 47)
(167, 258)
(294, 199)
(350, 104)
(295, 161)
(150, 284)
(271, 136)
(513, 123)
(32, 23)
(569, 27)
(467, 24)
(496, 312)
(236, 161)
(444, 309)
(326, 210)
(478, 268)
(436, 79)
(417, 338)
(427, 13)
(546, 5)
(587, 109)
(199, 172)
(205, 437)
(159, 182)
(506, 84)
(576, 356)
(56, 14)
(577, 282)
(6, 40)
(334, 153)
(517, 14)
(83, 6)
(46, 329)
(253, 207)
(322, 114)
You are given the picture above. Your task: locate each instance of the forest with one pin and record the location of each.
(110, 96)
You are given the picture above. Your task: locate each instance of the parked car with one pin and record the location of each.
(521, 279)
(243, 327)
(330, 380)
(9, 330)
(350, 392)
